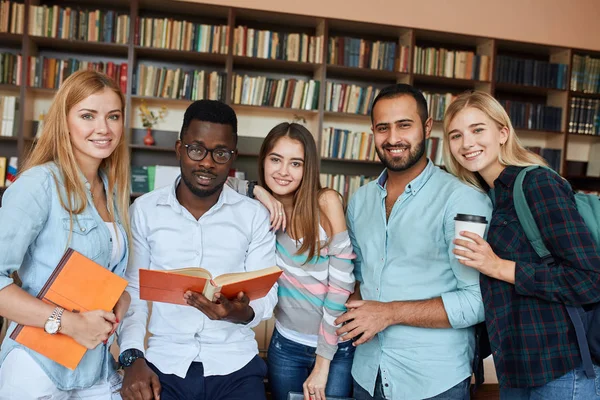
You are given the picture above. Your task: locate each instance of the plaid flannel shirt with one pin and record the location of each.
(531, 335)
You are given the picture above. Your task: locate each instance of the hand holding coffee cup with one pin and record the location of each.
(470, 223)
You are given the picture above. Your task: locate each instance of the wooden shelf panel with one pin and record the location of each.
(44, 91)
(586, 135)
(9, 139)
(357, 117)
(81, 46)
(340, 71)
(11, 39)
(154, 53)
(282, 110)
(537, 132)
(344, 160)
(8, 87)
(163, 100)
(152, 148)
(445, 81)
(536, 90)
(573, 93)
(242, 62)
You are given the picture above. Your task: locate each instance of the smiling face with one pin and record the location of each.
(284, 167)
(206, 177)
(475, 140)
(399, 133)
(96, 126)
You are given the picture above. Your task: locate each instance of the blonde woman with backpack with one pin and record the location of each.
(533, 340)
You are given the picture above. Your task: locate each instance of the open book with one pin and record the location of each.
(169, 286)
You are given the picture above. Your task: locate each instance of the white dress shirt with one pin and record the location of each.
(233, 236)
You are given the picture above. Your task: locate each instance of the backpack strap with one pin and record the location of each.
(535, 238)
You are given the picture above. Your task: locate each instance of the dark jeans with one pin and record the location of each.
(246, 383)
(457, 392)
(290, 363)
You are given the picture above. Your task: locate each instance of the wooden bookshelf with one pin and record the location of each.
(28, 45)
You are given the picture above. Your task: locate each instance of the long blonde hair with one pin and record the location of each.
(54, 145)
(512, 152)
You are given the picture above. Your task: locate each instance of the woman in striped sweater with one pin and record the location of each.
(316, 255)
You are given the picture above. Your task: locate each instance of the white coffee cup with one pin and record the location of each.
(469, 223)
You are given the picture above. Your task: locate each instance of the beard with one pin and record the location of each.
(201, 192)
(404, 163)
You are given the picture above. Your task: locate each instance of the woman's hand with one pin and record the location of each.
(315, 384)
(120, 309)
(89, 328)
(273, 205)
(481, 257)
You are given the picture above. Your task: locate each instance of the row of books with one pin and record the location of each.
(276, 45)
(451, 64)
(9, 106)
(347, 145)
(354, 99)
(154, 81)
(49, 72)
(167, 33)
(12, 15)
(434, 149)
(552, 156)
(362, 53)
(585, 116)
(533, 116)
(520, 71)
(263, 91)
(437, 103)
(8, 170)
(346, 185)
(10, 68)
(77, 24)
(585, 74)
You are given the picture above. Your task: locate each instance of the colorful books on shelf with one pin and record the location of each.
(2, 171)
(347, 145)
(451, 64)
(277, 45)
(528, 72)
(155, 81)
(49, 73)
(434, 149)
(145, 179)
(12, 16)
(437, 103)
(552, 156)
(9, 106)
(10, 68)
(167, 33)
(585, 74)
(11, 171)
(362, 53)
(78, 285)
(273, 92)
(77, 24)
(346, 185)
(584, 117)
(533, 116)
(348, 98)
(169, 286)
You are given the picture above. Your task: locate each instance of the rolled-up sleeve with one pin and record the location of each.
(464, 305)
(25, 209)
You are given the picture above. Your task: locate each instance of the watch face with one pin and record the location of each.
(51, 326)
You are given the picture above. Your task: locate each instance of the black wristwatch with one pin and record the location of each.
(127, 357)
(251, 185)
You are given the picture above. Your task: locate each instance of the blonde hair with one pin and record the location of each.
(54, 145)
(512, 152)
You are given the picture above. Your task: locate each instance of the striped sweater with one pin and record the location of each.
(312, 295)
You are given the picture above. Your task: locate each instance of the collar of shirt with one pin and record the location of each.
(507, 176)
(414, 186)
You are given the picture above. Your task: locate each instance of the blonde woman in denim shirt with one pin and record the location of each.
(73, 192)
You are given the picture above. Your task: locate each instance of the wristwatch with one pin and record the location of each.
(127, 357)
(52, 325)
(251, 185)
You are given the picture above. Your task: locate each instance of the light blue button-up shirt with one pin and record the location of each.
(409, 258)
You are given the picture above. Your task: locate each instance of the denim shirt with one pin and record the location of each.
(34, 235)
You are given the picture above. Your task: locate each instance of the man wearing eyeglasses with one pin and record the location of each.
(207, 349)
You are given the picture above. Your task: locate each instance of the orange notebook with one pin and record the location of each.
(169, 286)
(77, 284)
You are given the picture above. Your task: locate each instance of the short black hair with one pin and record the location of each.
(210, 111)
(403, 89)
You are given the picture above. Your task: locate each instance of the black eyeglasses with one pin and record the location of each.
(198, 152)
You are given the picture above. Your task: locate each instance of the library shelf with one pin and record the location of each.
(586, 95)
(41, 90)
(346, 160)
(173, 56)
(11, 39)
(283, 110)
(81, 46)
(242, 62)
(340, 71)
(358, 117)
(588, 135)
(9, 88)
(445, 81)
(537, 132)
(526, 89)
(161, 100)
(9, 139)
(152, 148)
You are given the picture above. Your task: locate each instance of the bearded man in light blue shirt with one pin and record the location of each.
(414, 322)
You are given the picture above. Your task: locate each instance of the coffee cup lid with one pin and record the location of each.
(470, 218)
